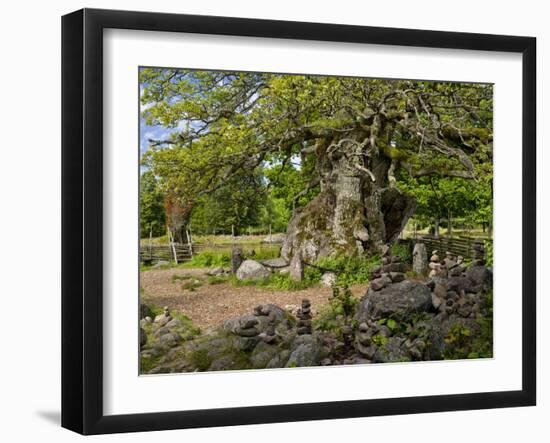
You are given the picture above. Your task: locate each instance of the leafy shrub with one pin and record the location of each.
(337, 314)
(209, 258)
(280, 281)
(349, 270)
(462, 344)
(402, 250)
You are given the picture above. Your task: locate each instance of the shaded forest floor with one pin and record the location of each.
(209, 302)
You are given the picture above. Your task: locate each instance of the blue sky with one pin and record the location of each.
(147, 132)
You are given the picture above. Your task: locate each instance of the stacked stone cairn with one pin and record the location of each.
(237, 257)
(363, 342)
(269, 335)
(304, 318)
(391, 271)
(248, 327)
(478, 254)
(457, 288)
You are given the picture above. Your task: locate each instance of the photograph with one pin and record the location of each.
(295, 220)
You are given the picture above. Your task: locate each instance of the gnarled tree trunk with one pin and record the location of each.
(354, 212)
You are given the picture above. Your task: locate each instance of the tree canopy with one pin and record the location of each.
(304, 137)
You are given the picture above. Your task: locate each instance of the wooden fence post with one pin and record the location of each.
(190, 242)
(151, 243)
(171, 240)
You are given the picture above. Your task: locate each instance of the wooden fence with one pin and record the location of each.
(154, 253)
(457, 245)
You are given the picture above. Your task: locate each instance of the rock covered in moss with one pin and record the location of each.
(400, 300)
(306, 350)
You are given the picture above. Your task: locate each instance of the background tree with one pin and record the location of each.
(358, 134)
(151, 207)
(239, 204)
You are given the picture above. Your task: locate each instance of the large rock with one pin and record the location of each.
(378, 283)
(420, 259)
(400, 300)
(271, 315)
(480, 275)
(263, 354)
(391, 352)
(306, 350)
(251, 269)
(296, 270)
(328, 279)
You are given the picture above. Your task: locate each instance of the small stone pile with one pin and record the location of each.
(237, 257)
(363, 341)
(269, 335)
(450, 266)
(164, 318)
(248, 327)
(457, 288)
(391, 271)
(435, 265)
(478, 254)
(304, 318)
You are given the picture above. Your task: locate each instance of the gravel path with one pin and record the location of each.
(209, 305)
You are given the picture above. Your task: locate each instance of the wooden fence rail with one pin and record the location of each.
(153, 253)
(457, 245)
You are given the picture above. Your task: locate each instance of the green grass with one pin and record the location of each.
(208, 259)
(280, 281)
(180, 277)
(350, 270)
(214, 257)
(403, 251)
(184, 319)
(191, 285)
(216, 279)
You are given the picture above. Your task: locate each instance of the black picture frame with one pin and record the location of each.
(82, 218)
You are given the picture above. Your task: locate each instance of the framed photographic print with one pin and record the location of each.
(269, 221)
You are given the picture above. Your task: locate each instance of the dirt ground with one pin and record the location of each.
(210, 304)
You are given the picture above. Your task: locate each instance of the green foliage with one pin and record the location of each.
(489, 253)
(379, 340)
(184, 319)
(209, 258)
(151, 206)
(337, 314)
(280, 281)
(239, 204)
(287, 181)
(402, 250)
(200, 359)
(350, 270)
(462, 343)
(148, 363)
(229, 130)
